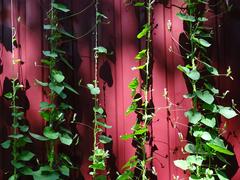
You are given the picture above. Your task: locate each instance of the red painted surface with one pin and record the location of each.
(119, 35)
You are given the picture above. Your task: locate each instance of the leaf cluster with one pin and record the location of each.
(19, 138)
(208, 145)
(53, 112)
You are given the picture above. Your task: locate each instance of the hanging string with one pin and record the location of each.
(12, 39)
(96, 46)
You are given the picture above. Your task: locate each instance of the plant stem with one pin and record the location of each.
(146, 89)
(14, 129)
(51, 150)
(95, 86)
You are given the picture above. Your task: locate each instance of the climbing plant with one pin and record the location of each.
(141, 104)
(99, 154)
(19, 139)
(54, 110)
(206, 145)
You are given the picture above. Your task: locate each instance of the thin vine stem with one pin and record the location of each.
(95, 85)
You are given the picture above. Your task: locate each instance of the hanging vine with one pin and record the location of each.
(141, 104)
(98, 158)
(19, 139)
(207, 146)
(53, 111)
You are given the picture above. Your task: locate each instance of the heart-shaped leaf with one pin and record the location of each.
(50, 133)
(193, 116)
(227, 112)
(205, 96)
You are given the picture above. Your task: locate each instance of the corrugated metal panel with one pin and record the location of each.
(120, 36)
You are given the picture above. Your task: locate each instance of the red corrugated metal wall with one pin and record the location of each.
(120, 36)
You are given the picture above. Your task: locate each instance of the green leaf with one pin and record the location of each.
(17, 164)
(13, 177)
(202, 42)
(44, 84)
(45, 115)
(131, 108)
(38, 137)
(127, 136)
(8, 95)
(65, 33)
(220, 149)
(65, 61)
(183, 69)
(24, 128)
(145, 30)
(182, 164)
(16, 136)
(101, 50)
(190, 148)
(185, 17)
(133, 86)
(64, 170)
(50, 133)
(100, 15)
(203, 134)
(45, 173)
(103, 124)
(56, 88)
(202, 19)
(141, 54)
(211, 69)
(206, 136)
(101, 177)
(104, 139)
(205, 96)
(194, 75)
(227, 112)
(18, 115)
(49, 27)
(140, 131)
(139, 67)
(67, 86)
(66, 139)
(26, 156)
(6, 144)
(221, 175)
(93, 90)
(50, 54)
(193, 159)
(126, 175)
(98, 166)
(27, 139)
(60, 7)
(46, 105)
(193, 117)
(58, 76)
(209, 122)
(139, 4)
(98, 110)
(222, 158)
(211, 88)
(26, 171)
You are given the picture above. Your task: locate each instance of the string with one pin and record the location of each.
(12, 39)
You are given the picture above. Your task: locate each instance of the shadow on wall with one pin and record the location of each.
(231, 39)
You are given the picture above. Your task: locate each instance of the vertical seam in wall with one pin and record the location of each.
(166, 81)
(119, 50)
(169, 139)
(42, 46)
